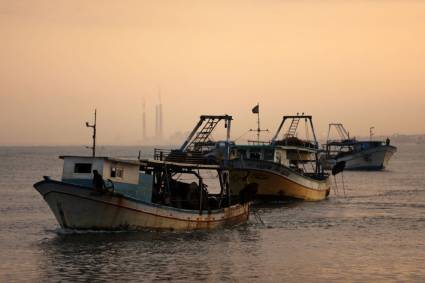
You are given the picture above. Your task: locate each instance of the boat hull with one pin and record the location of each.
(371, 159)
(283, 185)
(77, 207)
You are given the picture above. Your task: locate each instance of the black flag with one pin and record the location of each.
(256, 109)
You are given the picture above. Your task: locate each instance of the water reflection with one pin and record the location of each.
(149, 256)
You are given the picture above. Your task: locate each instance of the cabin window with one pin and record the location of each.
(82, 168)
(255, 155)
(117, 172)
(220, 145)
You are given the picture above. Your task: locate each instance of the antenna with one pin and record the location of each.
(93, 126)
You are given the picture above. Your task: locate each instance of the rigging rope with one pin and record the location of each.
(242, 135)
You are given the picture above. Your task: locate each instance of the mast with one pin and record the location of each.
(258, 124)
(93, 126)
(256, 110)
(313, 132)
(227, 125)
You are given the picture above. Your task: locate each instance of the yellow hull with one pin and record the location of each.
(276, 186)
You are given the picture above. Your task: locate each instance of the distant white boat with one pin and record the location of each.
(357, 155)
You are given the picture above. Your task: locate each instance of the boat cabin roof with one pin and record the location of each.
(254, 146)
(112, 159)
(352, 142)
(274, 147)
(159, 163)
(297, 148)
(143, 162)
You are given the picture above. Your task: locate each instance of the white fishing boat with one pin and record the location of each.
(145, 194)
(142, 194)
(357, 155)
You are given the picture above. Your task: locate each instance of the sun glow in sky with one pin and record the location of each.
(359, 62)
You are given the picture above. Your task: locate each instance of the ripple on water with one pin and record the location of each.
(375, 233)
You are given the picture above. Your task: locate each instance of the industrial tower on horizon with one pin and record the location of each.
(159, 124)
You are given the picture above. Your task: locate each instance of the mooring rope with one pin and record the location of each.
(257, 216)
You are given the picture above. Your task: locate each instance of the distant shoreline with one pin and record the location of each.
(395, 138)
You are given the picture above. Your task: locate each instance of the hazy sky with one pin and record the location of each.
(358, 62)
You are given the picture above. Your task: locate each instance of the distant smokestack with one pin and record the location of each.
(156, 121)
(160, 121)
(144, 134)
(159, 117)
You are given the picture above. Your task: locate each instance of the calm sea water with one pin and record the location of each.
(376, 233)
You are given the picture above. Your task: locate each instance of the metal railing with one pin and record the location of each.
(298, 143)
(179, 156)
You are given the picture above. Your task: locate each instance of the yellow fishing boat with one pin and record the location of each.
(286, 168)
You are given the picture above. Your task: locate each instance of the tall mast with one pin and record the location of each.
(93, 126)
(256, 110)
(227, 124)
(258, 125)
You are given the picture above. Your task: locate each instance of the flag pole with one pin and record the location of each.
(258, 123)
(256, 110)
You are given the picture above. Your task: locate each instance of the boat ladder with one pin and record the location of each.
(202, 136)
(293, 127)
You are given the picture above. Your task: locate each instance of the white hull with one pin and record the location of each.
(371, 159)
(77, 207)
